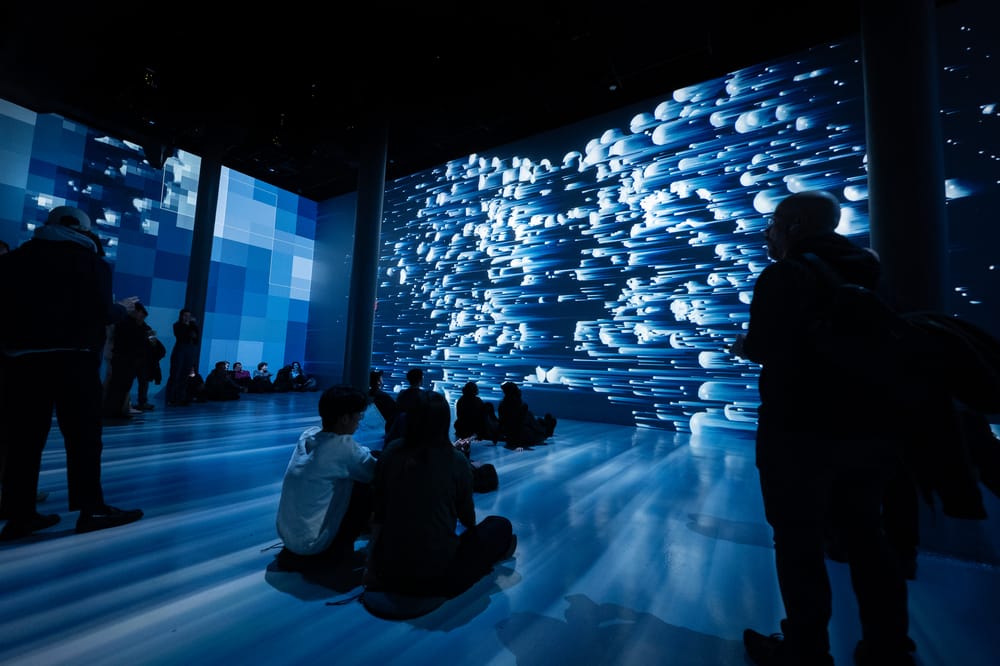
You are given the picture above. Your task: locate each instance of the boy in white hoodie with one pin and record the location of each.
(326, 495)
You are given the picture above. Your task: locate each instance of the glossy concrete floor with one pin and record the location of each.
(635, 547)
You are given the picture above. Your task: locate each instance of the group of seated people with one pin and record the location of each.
(414, 498)
(512, 422)
(225, 383)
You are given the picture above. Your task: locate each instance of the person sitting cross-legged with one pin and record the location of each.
(301, 381)
(475, 417)
(220, 386)
(519, 427)
(241, 376)
(326, 494)
(406, 399)
(261, 381)
(423, 491)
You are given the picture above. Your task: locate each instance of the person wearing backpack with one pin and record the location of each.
(827, 442)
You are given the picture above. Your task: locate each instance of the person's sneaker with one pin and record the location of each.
(17, 529)
(105, 517)
(772, 651)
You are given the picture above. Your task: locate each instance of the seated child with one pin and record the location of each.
(326, 495)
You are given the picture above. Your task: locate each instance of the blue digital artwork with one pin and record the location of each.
(608, 270)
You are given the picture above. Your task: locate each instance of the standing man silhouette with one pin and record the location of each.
(56, 289)
(826, 443)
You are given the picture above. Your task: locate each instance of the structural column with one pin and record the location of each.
(364, 265)
(201, 241)
(905, 152)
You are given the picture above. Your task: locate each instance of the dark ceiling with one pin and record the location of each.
(284, 92)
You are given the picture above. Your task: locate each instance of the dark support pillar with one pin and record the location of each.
(906, 191)
(364, 266)
(201, 242)
(905, 152)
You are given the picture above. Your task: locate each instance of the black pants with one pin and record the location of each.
(356, 519)
(182, 359)
(70, 383)
(142, 392)
(123, 373)
(799, 501)
(479, 549)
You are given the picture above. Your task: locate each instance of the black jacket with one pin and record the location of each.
(186, 334)
(798, 393)
(474, 416)
(56, 295)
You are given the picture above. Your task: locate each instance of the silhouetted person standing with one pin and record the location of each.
(183, 357)
(825, 442)
(56, 289)
(384, 403)
(129, 352)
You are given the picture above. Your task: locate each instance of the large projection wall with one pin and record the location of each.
(608, 268)
(261, 275)
(261, 270)
(144, 216)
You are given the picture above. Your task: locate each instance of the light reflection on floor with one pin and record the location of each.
(634, 547)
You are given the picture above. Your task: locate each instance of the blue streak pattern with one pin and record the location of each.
(611, 278)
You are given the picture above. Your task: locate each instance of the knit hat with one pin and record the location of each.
(69, 216)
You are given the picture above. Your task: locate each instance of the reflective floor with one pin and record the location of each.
(634, 547)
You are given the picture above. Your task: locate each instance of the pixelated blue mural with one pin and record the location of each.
(259, 279)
